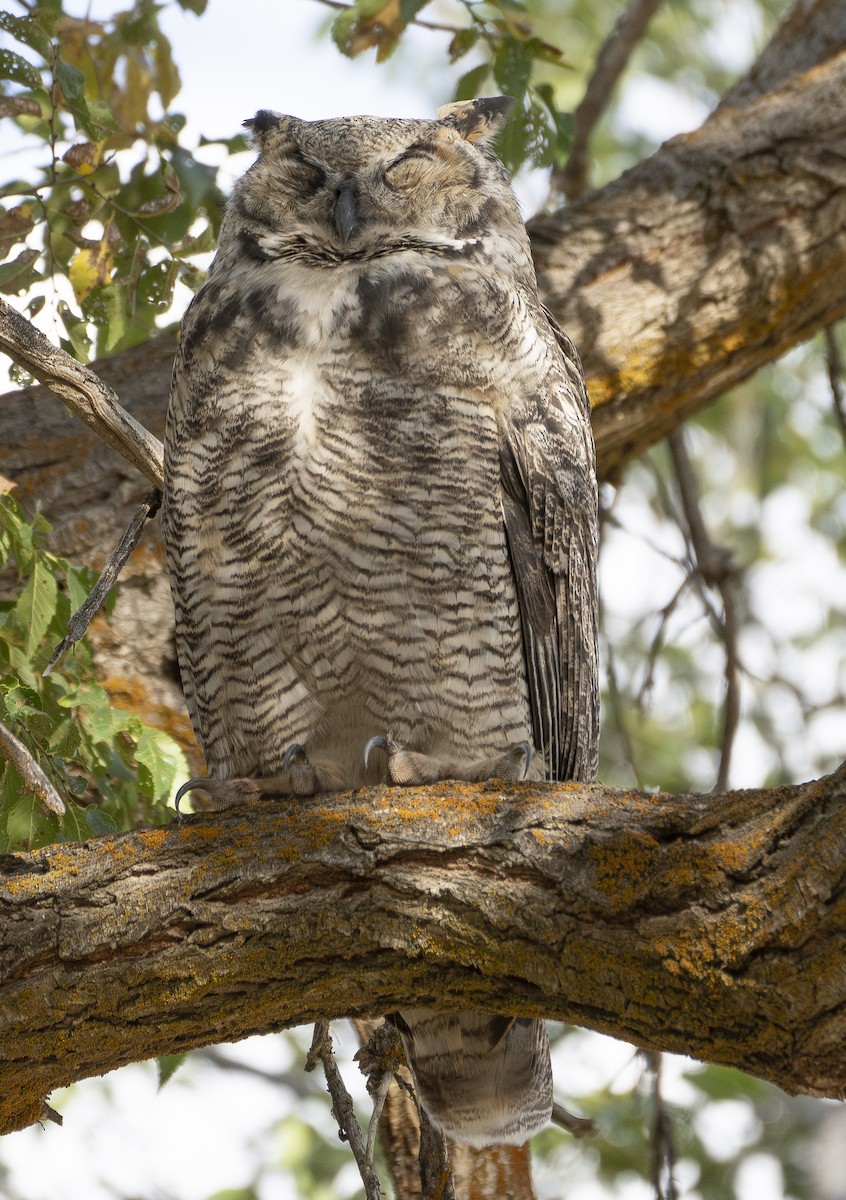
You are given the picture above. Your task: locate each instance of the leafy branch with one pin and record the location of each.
(62, 736)
(85, 89)
(514, 59)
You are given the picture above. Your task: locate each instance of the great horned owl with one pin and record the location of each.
(380, 511)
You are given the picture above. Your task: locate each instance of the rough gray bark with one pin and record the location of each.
(812, 32)
(704, 262)
(713, 926)
(83, 390)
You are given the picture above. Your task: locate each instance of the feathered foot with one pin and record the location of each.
(298, 777)
(407, 768)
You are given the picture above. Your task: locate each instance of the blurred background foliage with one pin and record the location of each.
(113, 771)
(112, 228)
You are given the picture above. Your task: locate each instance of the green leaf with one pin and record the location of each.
(46, 14)
(235, 145)
(342, 29)
(463, 41)
(27, 824)
(468, 85)
(77, 785)
(198, 180)
(20, 702)
(410, 8)
(19, 273)
(558, 133)
(65, 740)
(36, 606)
(78, 587)
(168, 82)
(79, 343)
(71, 79)
(102, 721)
(115, 311)
(98, 822)
(512, 66)
(155, 287)
(167, 1065)
(194, 6)
(14, 67)
(26, 30)
(162, 761)
(97, 119)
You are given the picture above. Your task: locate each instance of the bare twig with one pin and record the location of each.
(379, 1060)
(292, 1080)
(32, 777)
(663, 1150)
(613, 56)
(50, 1114)
(349, 1129)
(379, 1098)
(664, 615)
(834, 362)
(715, 566)
(435, 1173)
(382, 1059)
(96, 598)
(731, 700)
(713, 562)
(580, 1127)
(82, 390)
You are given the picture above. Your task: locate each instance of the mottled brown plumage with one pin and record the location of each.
(380, 510)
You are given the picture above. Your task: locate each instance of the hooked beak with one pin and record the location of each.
(347, 218)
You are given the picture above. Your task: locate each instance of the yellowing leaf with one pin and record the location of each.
(84, 157)
(91, 268)
(369, 23)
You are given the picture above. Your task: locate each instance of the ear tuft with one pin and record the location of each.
(477, 120)
(267, 127)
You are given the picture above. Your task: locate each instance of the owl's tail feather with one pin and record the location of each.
(482, 1079)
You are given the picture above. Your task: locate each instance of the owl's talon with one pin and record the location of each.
(381, 742)
(223, 793)
(408, 768)
(191, 785)
(295, 750)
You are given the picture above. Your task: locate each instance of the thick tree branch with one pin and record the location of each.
(709, 259)
(812, 32)
(710, 925)
(82, 390)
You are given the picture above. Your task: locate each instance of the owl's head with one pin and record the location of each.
(357, 188)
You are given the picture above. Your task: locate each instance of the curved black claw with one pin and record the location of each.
(294, 751)
(529, 751)
(382, 742)
(190, 786)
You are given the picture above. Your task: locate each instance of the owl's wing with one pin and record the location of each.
(549, 494)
